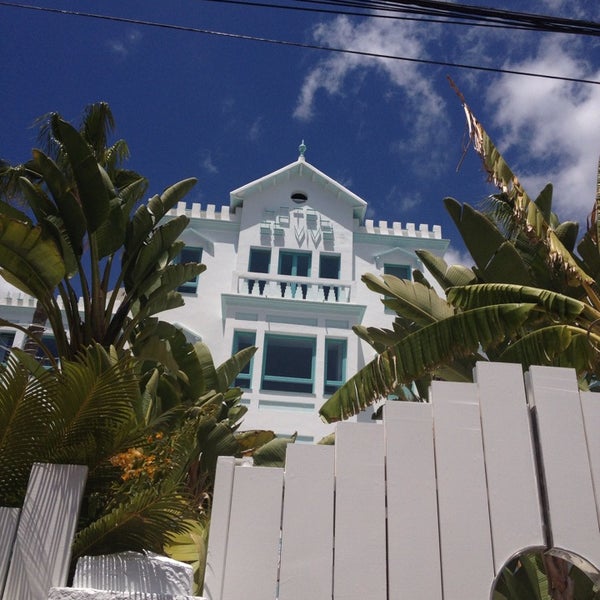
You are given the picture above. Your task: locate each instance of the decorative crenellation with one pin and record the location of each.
(17, 298)
(396, 229)
(210, 212)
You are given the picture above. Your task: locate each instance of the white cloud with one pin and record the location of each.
(379, 36)
(123, 46)
(255, 131)
(552, 126)
(207, 163)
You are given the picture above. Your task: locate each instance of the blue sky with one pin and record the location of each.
(228, 111)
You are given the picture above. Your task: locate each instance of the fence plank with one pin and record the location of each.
(307, 527)
(412, 524)
(251, 567)
(360, 552)
(219, 528)
(42, 548)
(465, 537)
(515, 508)
(568, 479)
(9, 519)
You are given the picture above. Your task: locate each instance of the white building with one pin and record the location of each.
(284, 261)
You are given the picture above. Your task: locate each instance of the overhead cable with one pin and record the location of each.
(244, 37)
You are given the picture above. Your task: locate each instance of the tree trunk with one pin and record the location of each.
(36, 329)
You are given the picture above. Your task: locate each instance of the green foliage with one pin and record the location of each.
(529, 298)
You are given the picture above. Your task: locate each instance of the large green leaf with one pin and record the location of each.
(414, 301)
(447, 276)
(161, 239)
(230, 369)
(90, 183)
(422, 352)
(29, 258)
(563, 307)
(160, 205)
(69, 208)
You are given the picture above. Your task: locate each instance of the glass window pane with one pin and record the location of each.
(335, 364)
(7, 339)
(329, 266)
(259, 261)
(400, 271)
(241, 340)
(288, 364)
(294, 263)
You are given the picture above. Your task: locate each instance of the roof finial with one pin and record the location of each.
(302, 150)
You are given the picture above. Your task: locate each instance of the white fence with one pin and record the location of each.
(429, 505)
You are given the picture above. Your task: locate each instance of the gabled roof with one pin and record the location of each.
(300, 168)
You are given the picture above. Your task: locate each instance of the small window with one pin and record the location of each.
(335, 364)
(329, 266)
(7, 339)
(259, 261)
(241, 340)
(399, 271)
(288, 364)
(299, 197)
(187, 255)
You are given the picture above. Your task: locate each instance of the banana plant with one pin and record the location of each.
(86, 247)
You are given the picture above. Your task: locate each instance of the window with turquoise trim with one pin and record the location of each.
(335, 364)
(400, 271)
(288, 363)
(296, 264)
(241, 340)
(329, 268)
(189, 254)
(7, 339)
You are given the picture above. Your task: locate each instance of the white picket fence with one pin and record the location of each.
(430, 505)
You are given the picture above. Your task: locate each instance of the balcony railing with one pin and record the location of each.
(298, 288)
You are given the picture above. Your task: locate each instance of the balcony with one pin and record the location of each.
(293, 288)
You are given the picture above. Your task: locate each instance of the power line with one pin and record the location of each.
(385, 12)
(244, 37)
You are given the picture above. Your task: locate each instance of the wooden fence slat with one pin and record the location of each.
(568, 479)
(42, 548)
(251, 566)
(9, 519)
(307, 527)
(360, 555)
(412, 524)
(219, 528)
(465, 537)
(509, 457)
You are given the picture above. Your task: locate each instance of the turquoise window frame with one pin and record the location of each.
(241, 340)
(295, 257)
(277, 376)
(296, 270)
(400, 271)
(189, 254)
(339, 346)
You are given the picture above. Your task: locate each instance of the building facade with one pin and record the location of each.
(284, 261)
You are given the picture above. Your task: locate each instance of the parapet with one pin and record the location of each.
(396, 229)
(210, 213)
